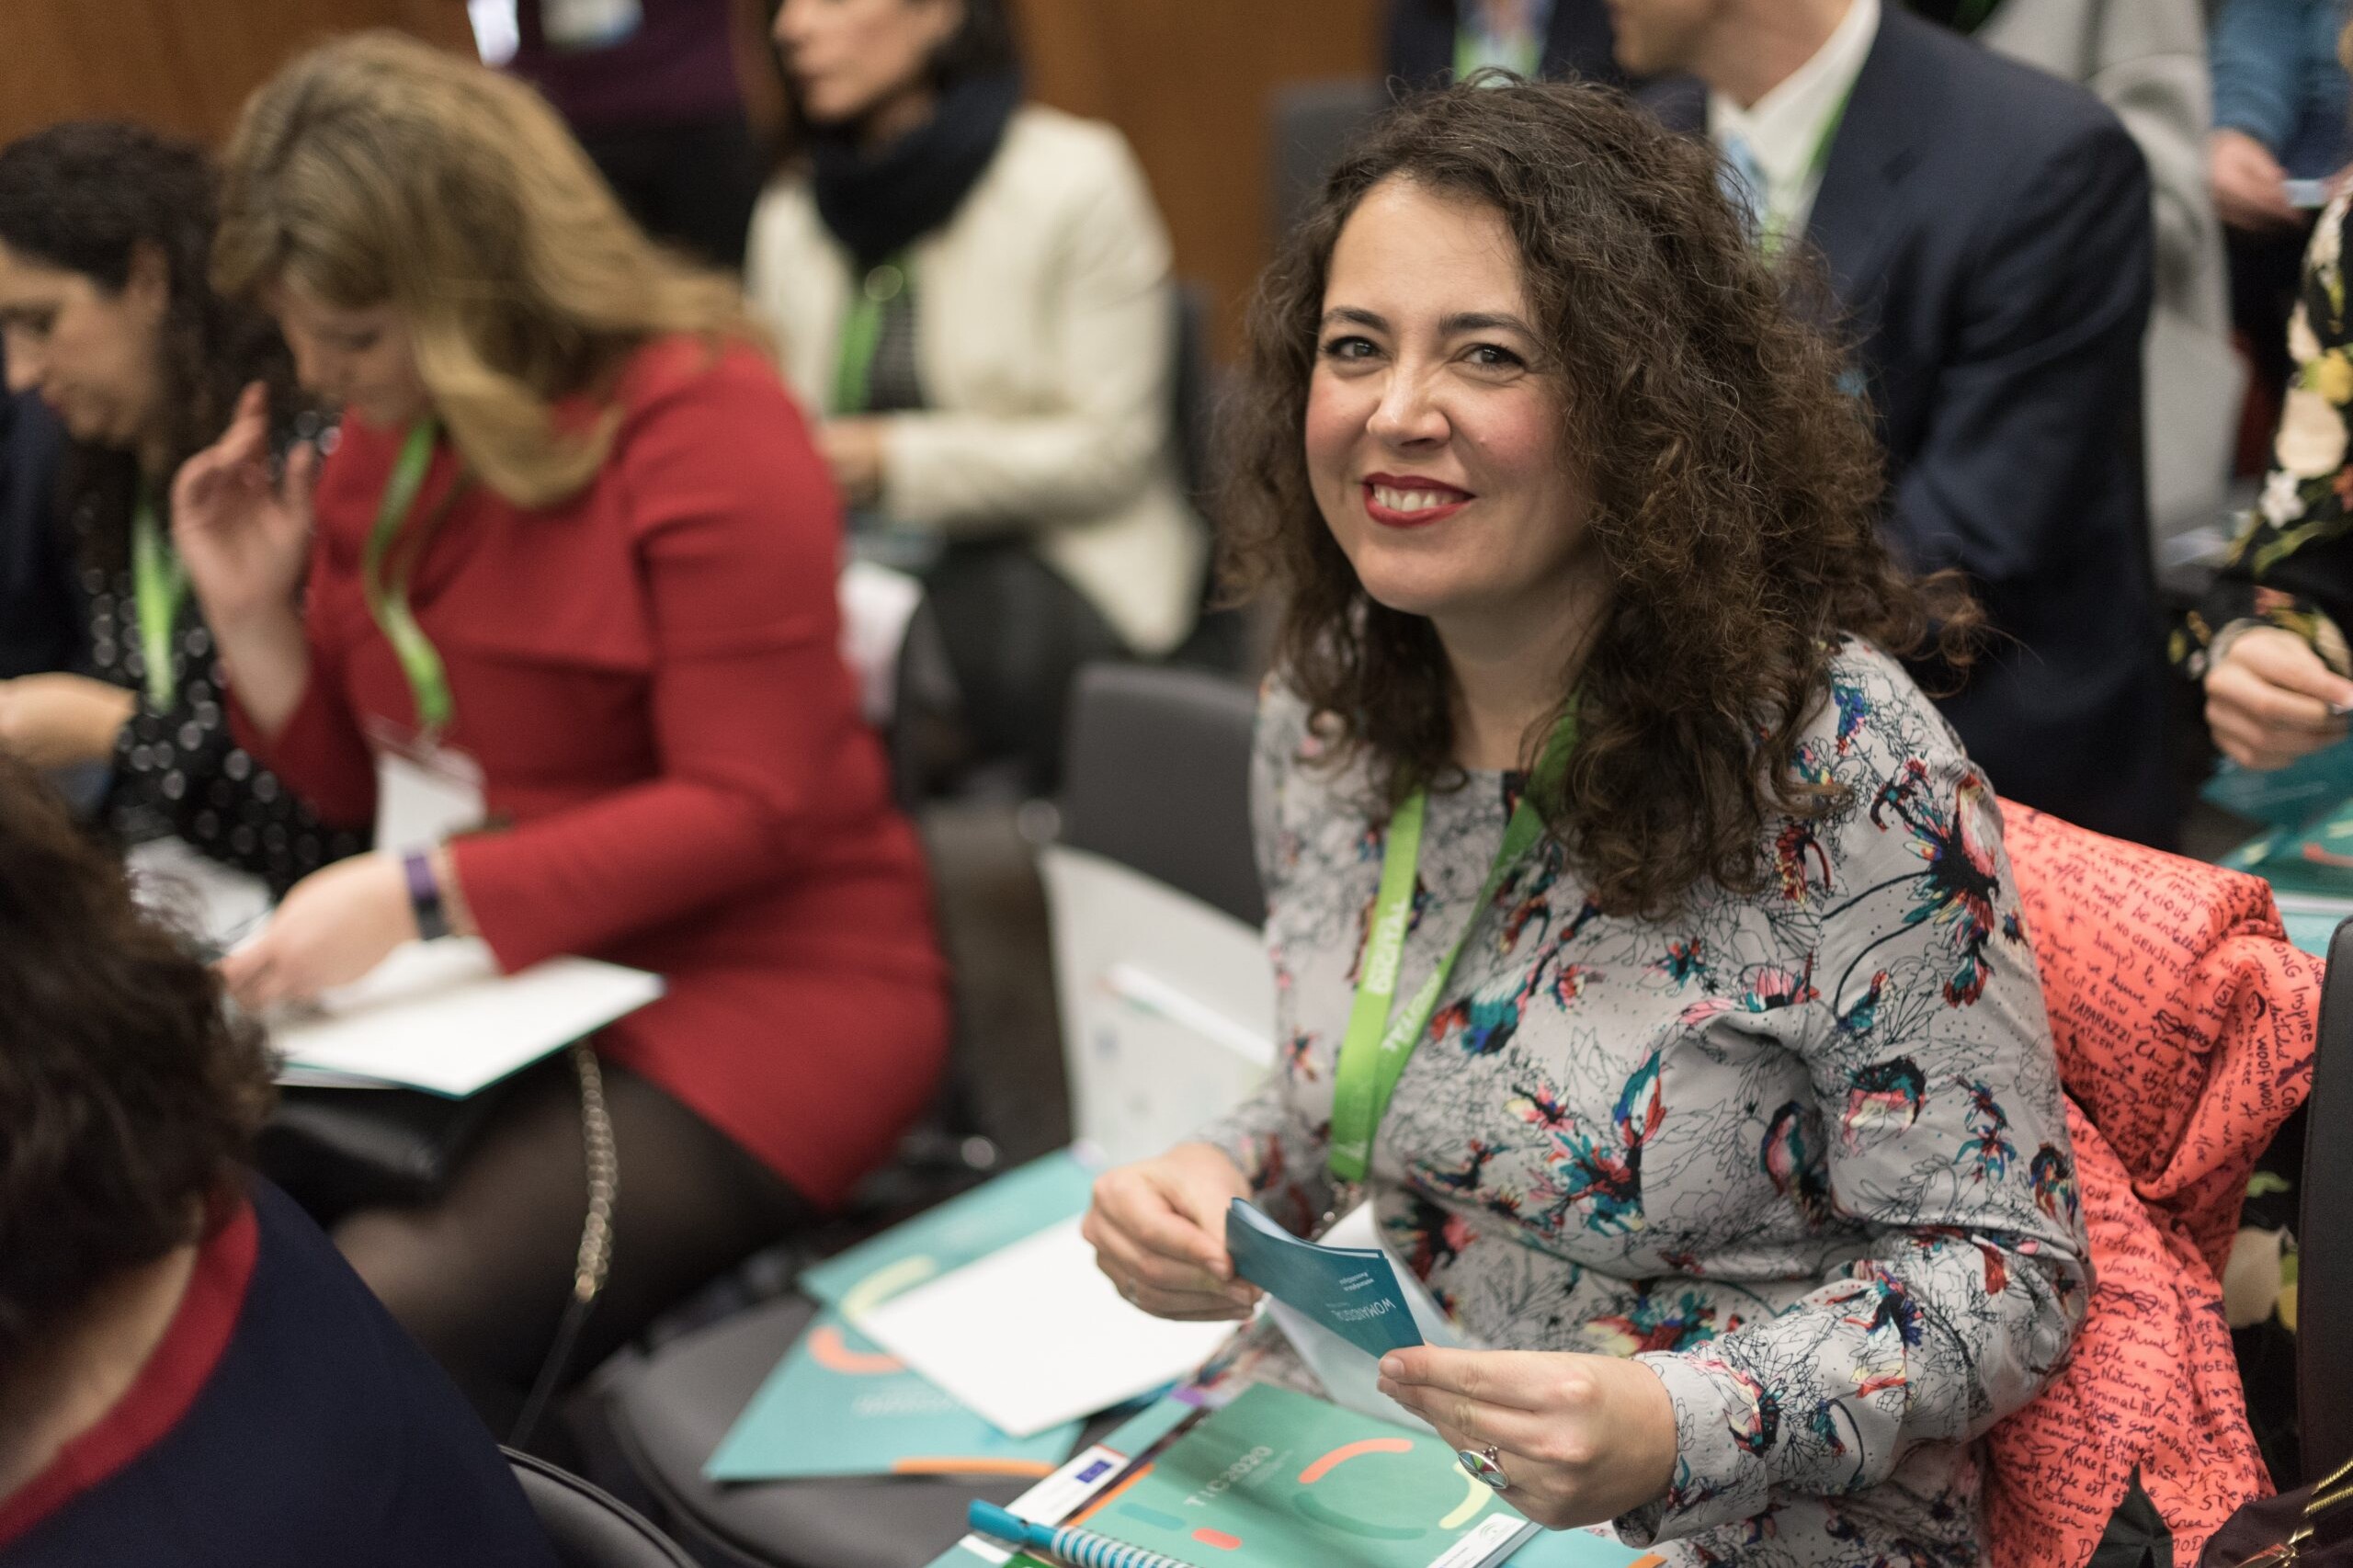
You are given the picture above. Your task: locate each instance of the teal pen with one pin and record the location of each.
(1080, 1549)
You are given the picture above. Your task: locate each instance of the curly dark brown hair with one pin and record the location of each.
(1733, 490)
(126, 1093)
(84, 196)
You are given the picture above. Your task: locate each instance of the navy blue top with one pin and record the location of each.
(322, 1434)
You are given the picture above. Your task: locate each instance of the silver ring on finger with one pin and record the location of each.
(1486, 1464)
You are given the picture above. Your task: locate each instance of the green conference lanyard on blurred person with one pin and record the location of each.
(159, 585)
(388, 595)
(1773, 231)
(1380, 1037)
(862, 332)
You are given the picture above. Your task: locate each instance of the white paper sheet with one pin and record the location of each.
(440, 1016)
(1035, 1335)
(218, 904)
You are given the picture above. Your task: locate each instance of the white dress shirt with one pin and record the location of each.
(1779, 140)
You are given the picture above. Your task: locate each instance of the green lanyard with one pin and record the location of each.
(862, 332)
(1769, 237)
(160, 587)
(387, 599)
(1381, 1037)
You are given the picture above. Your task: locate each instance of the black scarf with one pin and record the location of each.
(877, 203)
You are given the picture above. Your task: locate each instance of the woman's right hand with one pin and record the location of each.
(244, 540)
(2269, 699)
(2250, 187)
(1158, 1230)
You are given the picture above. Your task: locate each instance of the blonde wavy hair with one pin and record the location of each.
(378, 170)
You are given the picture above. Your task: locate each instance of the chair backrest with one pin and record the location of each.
(590, 1528)
(1158, 779)
(1313, 123)
(2324, 1268)
(1191, 418)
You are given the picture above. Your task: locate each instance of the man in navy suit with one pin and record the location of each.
(1986, 233)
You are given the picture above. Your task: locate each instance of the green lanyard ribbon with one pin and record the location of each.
(1381, 1037)
(160, 587)
(1774, 231)
(862, 332)
(387, 598)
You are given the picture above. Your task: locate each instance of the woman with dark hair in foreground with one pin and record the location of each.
(1646, 947)
(183, 1357)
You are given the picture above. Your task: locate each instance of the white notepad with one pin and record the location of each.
(1036, 1335)
(440, 1016)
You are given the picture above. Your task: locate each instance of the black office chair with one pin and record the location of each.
(2324, 1254)
(1313, 122)
(589, 1527)
(1159, 780)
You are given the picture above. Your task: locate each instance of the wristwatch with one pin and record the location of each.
(425, 895)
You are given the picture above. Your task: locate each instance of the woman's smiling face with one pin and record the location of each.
(1433, 429)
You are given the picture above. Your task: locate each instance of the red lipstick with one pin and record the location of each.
(1427, 500)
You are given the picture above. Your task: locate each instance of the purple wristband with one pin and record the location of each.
(425, 895)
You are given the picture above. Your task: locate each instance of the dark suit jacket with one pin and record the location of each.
(1580, 41)
(1986, 229)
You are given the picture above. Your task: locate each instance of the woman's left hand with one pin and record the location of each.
(853, 450)
(56, 720)
(1583, 1438)
(334, 927)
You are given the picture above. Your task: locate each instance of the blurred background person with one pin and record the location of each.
(974, 290)
(184, 1360)
(589, 663)
(650, 87)
(1986, 231)
(2270, 640)
(2279, 116)
(106, 235)
(1434, 40)
(37, 606)
(2147, 61)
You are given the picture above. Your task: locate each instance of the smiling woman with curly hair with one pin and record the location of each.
(1645, 943)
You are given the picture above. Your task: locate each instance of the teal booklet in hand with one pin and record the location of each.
(1278, 1479)
(1353, 1291)
(838, 1405)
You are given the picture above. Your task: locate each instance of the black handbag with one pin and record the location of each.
(2309, 1527)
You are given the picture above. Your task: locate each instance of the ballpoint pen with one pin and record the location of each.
(1067, 1544)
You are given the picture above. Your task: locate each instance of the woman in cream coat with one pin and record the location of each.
(972, 294)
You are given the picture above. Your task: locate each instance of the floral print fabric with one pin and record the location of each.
(1804, 1152)
(2292, 565)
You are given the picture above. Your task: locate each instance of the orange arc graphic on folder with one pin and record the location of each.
(831, 1351)
(1346, 1451)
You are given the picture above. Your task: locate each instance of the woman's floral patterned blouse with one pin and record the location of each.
(1803, 1152)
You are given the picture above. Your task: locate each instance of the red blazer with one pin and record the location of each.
(674, 762)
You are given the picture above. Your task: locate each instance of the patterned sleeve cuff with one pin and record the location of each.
(1722, 1424)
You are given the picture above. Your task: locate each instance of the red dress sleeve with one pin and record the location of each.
(320, 753)
(736, 534)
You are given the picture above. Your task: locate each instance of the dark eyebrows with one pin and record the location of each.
(1484, 321)
(1454, 325)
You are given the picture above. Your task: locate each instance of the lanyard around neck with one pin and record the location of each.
(159, 585)
(862, 332)
(1774, 231)
(428, 683)
(1380, 1036)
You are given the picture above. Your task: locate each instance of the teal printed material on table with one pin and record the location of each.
(838, 1405)
(963, 1230)
(1279, 1480)
(1353, 1291)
